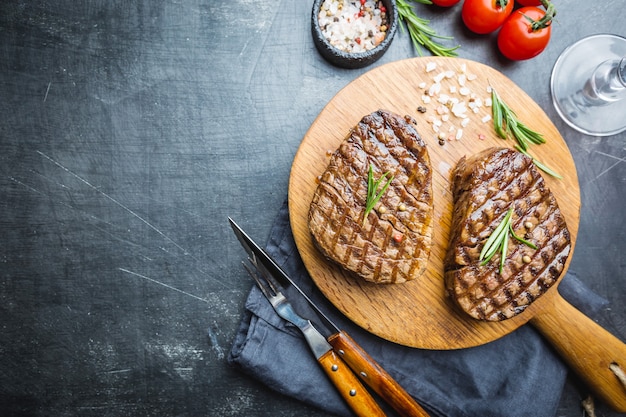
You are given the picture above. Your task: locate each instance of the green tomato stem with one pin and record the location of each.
(547, 18)
(502, 3)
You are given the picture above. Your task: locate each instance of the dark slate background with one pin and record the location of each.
(129, 131)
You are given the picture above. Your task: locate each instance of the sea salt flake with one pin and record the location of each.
(434, 89)
(459, 109)
(439, 77)
(431, 66)
(443, 98)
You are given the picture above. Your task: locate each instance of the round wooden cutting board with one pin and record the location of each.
(418, 313)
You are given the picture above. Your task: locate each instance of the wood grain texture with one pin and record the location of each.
(418, 313)
(375, 376)
(349, 386)
(590, 356)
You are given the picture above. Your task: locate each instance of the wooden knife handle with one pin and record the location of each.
(375, 376)
(589, 350)
(349, 386)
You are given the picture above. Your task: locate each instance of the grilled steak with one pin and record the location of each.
(484, 187)
(392, 243)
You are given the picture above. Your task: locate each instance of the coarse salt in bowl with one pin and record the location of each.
(353, 33)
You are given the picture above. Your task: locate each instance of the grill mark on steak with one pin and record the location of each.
(484, 187)
(368, 249)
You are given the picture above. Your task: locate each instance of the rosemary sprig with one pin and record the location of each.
(372, 190)
(495, 242)
(421, 32)
(499, 241)
(506, 123)
(539, 165)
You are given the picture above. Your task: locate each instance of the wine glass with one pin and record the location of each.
(588, 85)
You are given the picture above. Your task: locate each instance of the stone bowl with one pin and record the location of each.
(349, 60)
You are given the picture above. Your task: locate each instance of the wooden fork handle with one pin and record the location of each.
(349, 386)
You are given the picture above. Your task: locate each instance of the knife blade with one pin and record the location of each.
(368, 370)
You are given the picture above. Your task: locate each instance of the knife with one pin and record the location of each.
(363, 365)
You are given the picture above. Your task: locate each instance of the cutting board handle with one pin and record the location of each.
(589, 349)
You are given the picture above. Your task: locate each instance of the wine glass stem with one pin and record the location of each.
(607, 83)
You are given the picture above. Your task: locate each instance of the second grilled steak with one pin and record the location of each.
(484, 187)
(392, 243)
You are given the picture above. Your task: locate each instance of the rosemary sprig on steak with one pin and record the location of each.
(499, 241)
(372, 190)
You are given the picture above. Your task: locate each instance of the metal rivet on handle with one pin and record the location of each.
(352, 392)
(334, 368)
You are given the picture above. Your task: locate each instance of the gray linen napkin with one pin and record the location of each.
(515, 376)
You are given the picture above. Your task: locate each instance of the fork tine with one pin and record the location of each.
(262, 285)
(271, 281)
(267, 276)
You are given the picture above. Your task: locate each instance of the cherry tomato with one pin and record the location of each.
(517, 40)
(528, 2)
(445, 3)
(485, 16)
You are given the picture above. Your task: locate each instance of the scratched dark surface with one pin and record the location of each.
(129, 131)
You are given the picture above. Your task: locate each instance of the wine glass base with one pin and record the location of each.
(570, 73)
